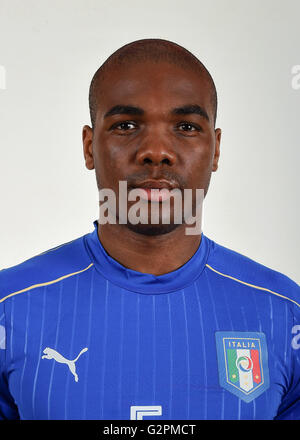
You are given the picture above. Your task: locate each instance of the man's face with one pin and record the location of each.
(161, 135)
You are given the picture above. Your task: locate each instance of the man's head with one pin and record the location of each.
(153, 109)
(155, 51)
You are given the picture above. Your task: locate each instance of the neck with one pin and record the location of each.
(155, 255)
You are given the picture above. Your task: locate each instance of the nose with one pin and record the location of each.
(156, 151)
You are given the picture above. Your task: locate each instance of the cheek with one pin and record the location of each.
(201, 156)
(109, 165)
(199, 166)
(116, 154)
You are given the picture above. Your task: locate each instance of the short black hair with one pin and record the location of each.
(155, 50)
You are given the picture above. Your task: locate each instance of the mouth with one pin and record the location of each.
(155, 190)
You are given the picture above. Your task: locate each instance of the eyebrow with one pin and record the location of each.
(124, 110)
(132, 110)
(190, 109)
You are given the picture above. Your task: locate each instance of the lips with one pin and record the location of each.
(159, 184)
(156, 184)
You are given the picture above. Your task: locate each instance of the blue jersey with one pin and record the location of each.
(83, 337)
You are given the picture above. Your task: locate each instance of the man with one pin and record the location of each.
(137, 320)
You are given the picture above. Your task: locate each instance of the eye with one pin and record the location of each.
(124, 126)
(187, 126)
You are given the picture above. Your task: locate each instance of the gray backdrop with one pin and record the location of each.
(49, 51)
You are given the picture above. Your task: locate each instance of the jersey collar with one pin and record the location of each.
(146, 283)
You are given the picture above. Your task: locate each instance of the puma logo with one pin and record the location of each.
(50, 353)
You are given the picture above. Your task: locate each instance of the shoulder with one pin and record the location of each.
(226, 263)
(45, 268)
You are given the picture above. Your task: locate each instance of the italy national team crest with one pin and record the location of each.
(243, 363)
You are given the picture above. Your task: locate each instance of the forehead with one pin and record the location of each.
(152, 85)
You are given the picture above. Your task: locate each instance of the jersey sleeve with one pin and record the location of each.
(8, 409)
(290, 405)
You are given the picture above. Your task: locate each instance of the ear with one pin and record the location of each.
(217, 149)
(87, 140)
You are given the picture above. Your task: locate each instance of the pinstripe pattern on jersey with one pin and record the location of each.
(47, 283)
(165, 340)
(252, 285)
(144, 347)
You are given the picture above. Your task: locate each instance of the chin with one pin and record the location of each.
(152, 230)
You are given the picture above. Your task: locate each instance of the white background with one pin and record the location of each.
(51, 49)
